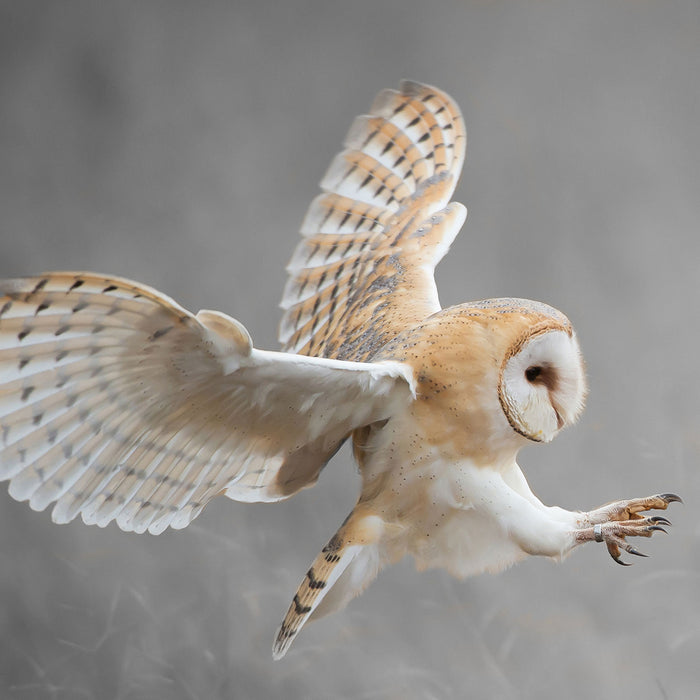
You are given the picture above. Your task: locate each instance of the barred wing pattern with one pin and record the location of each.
(118, 404)
(364, 269)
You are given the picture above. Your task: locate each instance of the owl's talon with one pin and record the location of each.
(670, 498)
(620, 562)
(613, 532)
(614, 552)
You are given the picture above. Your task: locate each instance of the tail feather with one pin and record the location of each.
(351, 554)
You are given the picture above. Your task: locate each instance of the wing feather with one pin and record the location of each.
(118, 404)
(364, 269)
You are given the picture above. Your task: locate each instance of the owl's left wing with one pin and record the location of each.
(118, 404)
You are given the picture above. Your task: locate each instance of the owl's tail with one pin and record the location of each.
(343, 569)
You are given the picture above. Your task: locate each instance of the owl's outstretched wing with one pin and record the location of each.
(118, 404)
(364, 270)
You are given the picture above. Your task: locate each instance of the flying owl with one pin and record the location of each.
(118, 404)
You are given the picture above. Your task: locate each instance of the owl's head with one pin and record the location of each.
(542, 385)
(501, 369)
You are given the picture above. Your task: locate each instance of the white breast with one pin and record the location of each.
(431, 505)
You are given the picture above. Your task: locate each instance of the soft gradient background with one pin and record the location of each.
(179, 143)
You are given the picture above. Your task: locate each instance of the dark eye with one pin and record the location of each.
(531, 373)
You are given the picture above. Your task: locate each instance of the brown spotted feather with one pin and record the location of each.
(317, 581)
(364, 270)
(323, 581)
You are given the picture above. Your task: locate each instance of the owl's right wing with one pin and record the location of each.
(118, 404)
(364, 269)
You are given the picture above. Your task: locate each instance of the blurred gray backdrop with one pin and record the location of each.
(179, 143)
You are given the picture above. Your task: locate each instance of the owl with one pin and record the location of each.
(117, 404)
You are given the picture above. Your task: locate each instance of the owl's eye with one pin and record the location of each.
(531, 373)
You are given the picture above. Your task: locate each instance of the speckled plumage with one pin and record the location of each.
(117, 404)
(364, 269)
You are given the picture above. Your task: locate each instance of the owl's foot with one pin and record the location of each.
(614, 522)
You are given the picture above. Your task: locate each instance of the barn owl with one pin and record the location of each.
(117, 404)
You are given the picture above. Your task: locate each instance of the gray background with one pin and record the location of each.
(179, 143)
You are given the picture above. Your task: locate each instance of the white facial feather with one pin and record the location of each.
(543, 385)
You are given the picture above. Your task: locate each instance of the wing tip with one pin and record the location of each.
(281, 644)
(412, 88)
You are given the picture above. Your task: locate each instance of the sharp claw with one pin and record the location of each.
(656, 527)
(636, 552)
(659, 519)
(671, 498)
(621, 563)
